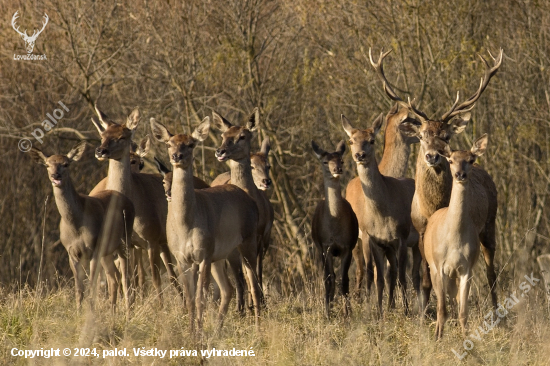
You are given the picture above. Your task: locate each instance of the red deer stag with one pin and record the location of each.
(433, 175)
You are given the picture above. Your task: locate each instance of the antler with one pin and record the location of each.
(15, 16)
(470, 103)
(35, 34)
(378, 66)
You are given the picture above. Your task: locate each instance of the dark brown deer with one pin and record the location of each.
(334, 227)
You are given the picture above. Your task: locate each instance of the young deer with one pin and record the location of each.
(144, 190)
(433, 177)
(205, 226)
(92, 228)
(386, 222)
(137, 153)
(334, 228)
(260, 169)
(451, 240)
(394, 163)
(236, 148)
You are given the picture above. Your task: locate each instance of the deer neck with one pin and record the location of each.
(372, 180)
(120, 174)
(395, 160)
(184, 201)
(241, 174)
(333, 195)
(69, 203)
(433, 184)
(458, 213)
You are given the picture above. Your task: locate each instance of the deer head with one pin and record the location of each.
(29, 40)
(461, 161)
(433, 133)
(116, 138)
(362, 141)
(260, 166)
(332, 162)
(235, 139)
(58, 165)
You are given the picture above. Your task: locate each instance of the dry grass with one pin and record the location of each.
(294, 331)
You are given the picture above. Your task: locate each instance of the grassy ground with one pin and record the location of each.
(293, 331)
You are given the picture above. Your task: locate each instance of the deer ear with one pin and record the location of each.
(377, 124)
(409, 129)
(341, 148)
(100, 126)
(103, 122)
(221, 123)
(266, 146)
(347, 126)
(201, 132)
(445, 151)
(77, 151)
(253, 120)
(37, 156)
(161, 167)
(143, 148)
(319, 153)
(458, 125)
(133, 120)
(160, 132)
(480, 145)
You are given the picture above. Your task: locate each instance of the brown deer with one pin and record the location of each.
(235, 147)
(137, 153)
(92, 228)
(386, 222)
(234, 259)
(334, 227)
(451, 240)
(433, 177)
(205, 226)
(144, 190)
(394, 163)
(260, 169)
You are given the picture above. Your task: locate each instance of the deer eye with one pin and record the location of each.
(371, 142)
(242, 137)
(252, 166)
(350, 142)
(450, 161)
(325, 162)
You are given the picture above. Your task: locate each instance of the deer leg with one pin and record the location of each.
(236, 265)
(359, 269)
(259, 265)
(464, 290)
(128, 296)
(402, 262)
(220, 276)
(452, 290)
(93, 280)
(417, 262)
(489, 256)
(426, 277)
(79, 275)
(249, 261)
(379, 258)
(108, 264)
(439, 288)
(344, 285)
(153, 253)
(167, 260)
(204, 273)
(392, 275)
(328, 278)
(189, 281)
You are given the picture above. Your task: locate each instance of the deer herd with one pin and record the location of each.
(446, 214)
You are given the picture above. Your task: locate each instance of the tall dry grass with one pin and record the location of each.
(294, 330)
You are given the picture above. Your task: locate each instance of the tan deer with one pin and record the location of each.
(205, 226)
(235, 147)
(234, 259)
(386, 222)
(334, 227)
(144, 190)
(92, 228)
(451, 240)
(260, 169)
(433, 177)
(394, 163)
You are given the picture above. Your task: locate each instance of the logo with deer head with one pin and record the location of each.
(29, 40)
